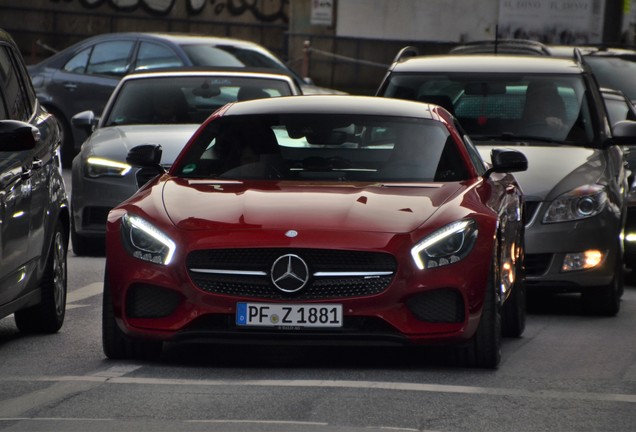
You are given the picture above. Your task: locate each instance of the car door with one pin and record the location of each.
(16, 185)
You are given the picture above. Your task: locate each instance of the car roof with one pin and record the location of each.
(488, 63)
(211, 71)
(332, 104)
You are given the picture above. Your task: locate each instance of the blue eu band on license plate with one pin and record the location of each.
(296, 315)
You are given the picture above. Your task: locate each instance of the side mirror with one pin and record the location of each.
(85, 121)
(145, 156)
(624, 133)
(18, 136)
(504, 161)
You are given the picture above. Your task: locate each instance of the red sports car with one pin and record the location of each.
(320, 220)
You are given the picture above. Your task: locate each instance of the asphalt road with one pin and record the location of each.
(569, 372)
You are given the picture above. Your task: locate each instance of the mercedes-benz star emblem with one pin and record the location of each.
(289, 273)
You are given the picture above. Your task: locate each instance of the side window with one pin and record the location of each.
(16, 98)
(154, 56)
(110, 58)
(77, 63)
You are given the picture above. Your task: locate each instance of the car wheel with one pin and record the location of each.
(484, 349)
(48, 315)
(66, 137)
(605, 300)
(514, 309)
(115, 343)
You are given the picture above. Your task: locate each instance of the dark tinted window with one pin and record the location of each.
(110, 58)
(615, 72)
(325, 147)
(77, 63)
(155, 56)
(15, 94)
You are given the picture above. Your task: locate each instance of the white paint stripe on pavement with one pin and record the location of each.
(85, 292)
(397, 386)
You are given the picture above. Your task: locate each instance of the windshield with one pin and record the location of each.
(324, 147)
(188, 99)
(510, 107)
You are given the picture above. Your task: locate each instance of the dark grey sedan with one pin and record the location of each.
(82, 76)
(149, 108)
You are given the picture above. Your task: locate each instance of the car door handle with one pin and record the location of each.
(70, 86)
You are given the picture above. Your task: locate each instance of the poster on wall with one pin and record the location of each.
(567, 22)
(322, 12)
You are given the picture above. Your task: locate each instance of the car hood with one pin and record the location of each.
(114, 142)
(267, 205)
(552, 170)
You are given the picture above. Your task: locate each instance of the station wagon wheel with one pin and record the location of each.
(115, 343)
(48, 316)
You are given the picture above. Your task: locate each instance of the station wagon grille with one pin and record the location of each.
(332, 273)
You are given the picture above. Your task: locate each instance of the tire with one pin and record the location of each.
(605, 300)
(514, 309)
(48, 315)
(484, 349)
(116, 344)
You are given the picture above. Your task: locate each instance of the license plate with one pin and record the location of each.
(292, 315)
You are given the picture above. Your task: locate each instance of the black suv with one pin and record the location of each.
(34, 217)
(576, 184)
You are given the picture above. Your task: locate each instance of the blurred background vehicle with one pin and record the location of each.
(82, 76)
(620, 107)
(154, 107)
(575, 189)
(34, 219)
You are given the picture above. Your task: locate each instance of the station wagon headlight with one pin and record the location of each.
(446, 245)
(97, 167)
(580, 203)
(144, 241)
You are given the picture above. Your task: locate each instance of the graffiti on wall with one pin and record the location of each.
(197, 7)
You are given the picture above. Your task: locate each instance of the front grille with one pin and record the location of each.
(334, 262)
(537, 264)
(438, 306)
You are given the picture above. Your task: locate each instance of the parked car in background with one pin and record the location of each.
(575, 189)
(154, 107)
(619, 108)
(34, 219)
(320, 220)
(82, 76)
(614, 67)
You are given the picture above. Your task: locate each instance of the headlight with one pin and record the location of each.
(97, 167)
(580, 203)
(446, 245)
(146, 242)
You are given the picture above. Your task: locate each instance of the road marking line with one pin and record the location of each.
(397, 386)
(85, 292)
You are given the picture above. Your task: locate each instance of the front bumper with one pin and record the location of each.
(167, 303)
(548, 244)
